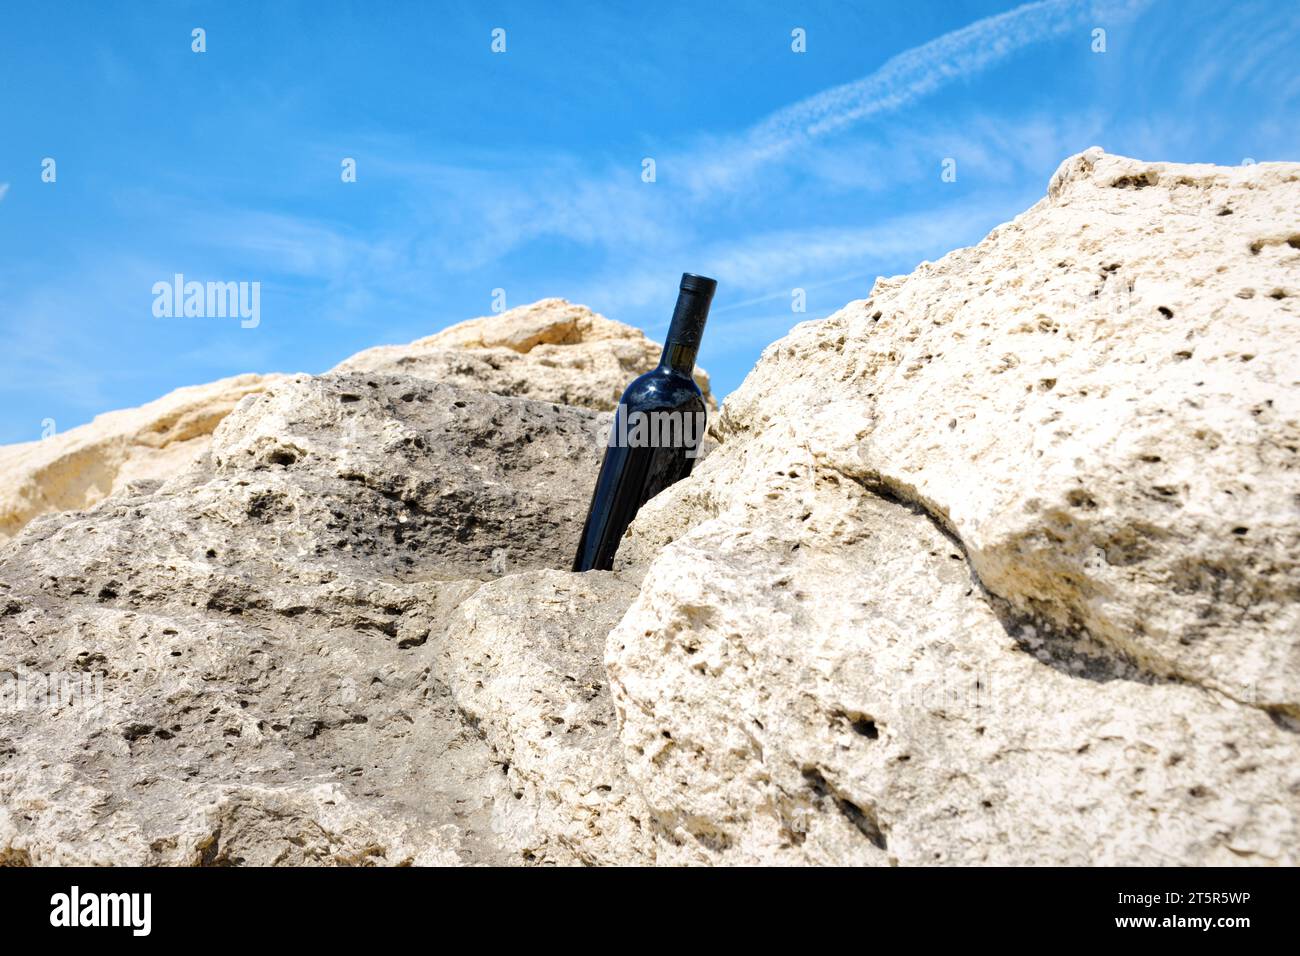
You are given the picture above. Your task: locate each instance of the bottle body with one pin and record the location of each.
(655, 436)
(634, 471)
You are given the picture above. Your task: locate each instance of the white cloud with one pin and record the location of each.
(781, 260)
(901, 80)
(4, 188)
(922, 70)
(614, 210)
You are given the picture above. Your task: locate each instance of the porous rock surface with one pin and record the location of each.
(995, 566)
(999, 565)
(268, 627)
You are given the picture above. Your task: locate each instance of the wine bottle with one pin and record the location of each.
(656, 435)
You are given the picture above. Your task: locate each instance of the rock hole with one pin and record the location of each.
(863, 819)
(1140, 181)
(135, 731)
(1078, 498)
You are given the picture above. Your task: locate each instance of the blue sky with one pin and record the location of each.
(522, 170)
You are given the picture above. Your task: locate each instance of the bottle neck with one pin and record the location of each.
(682, 343)
(679, 356)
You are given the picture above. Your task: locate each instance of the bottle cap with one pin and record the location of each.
(693, 283)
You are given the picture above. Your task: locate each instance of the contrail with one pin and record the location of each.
(924, 69)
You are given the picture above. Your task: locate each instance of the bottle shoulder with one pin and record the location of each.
(662, 388)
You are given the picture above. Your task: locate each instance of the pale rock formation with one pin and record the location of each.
(996, 566)
(1000, 564)
(267, 630)
(80, 467)
(522, 656)
(551, 351)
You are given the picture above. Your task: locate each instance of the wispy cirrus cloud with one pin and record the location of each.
(469, 213)
(495, 203)
(923, 69)
(902, 80)
(805, 257)
(474, 211)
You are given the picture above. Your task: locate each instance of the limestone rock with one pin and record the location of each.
(77, 468)
(551, 350)
(523, 656)
(265, 632)
(998, 565)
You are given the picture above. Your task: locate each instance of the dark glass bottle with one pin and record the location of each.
(656, 434)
